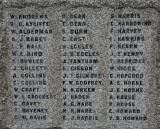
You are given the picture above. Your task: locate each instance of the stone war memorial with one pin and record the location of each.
(79, 64)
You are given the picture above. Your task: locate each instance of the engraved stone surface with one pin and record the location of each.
(79, 64)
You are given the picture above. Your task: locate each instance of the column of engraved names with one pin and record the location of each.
(80, 79)
(28, 35)
(127, 78)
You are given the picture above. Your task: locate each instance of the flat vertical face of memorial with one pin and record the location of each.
(80, 65)
(31, 72)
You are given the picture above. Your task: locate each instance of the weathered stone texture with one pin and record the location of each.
(55, 7)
